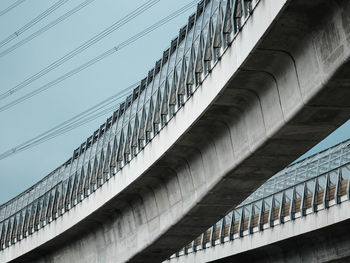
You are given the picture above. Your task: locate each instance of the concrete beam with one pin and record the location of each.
(317, 237)
(273, 95)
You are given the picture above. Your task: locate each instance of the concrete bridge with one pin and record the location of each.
(245, 88)
(300, 215)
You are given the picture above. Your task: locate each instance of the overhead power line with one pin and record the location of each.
(81, 48)
(99, 109)
(32, 22)
(106, 106)
(101, 56)
(45, 28)
(68, 128)
(9, 8)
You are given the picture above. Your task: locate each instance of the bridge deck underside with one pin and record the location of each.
(271, 112)
(289, 93)
(328, 244)
(275, 98)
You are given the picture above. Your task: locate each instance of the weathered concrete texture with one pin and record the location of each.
(282, 86)
(316, 237)
(329, 244)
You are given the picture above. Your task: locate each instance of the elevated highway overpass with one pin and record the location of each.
(245, 88)
(301, 214)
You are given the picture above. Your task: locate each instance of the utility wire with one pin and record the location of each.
(100, 57)
(72, 123)
(9, 8)
(32, 22)
(56, 81)
(69, 126)
(97, 110)
(54, 135)
(45, 28)
(73, 126)
(81, 48)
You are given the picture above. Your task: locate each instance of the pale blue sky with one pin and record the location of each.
(80, 92)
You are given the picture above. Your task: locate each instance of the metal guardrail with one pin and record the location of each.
(310, 196)
(302, 170)
(152, 104)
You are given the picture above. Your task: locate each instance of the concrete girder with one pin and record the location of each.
(161, 220)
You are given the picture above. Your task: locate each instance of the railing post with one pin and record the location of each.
(55, 200)
(314, 197)
(240, 225)
(185, 250)
(121, 140)
(14, 229)
(244, 10)
(292, 205)
(337, 187)
(194, 246)
(114, 163)
(20, 226)
(302, 203)
(272, 207)
(75, 197)
(218, 38)
(280, 211)
(67, 196)
(222, 230)
(101, 177)
(8, 233)
(261, 216)
(212, 235)
(203, 244)
(228, 23)
(326, 192)
(231, 228)
(250, 223)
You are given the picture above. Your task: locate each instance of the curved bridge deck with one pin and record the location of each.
(301, 190)
(245, 88)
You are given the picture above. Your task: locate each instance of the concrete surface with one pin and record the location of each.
(281, 87)
(316, 237)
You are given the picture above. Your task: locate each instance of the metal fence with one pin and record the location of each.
(330, 186)
(307, 168)
(175, 77)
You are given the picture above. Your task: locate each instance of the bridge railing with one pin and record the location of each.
(152, 104)
(301, 199)
(302, 170)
